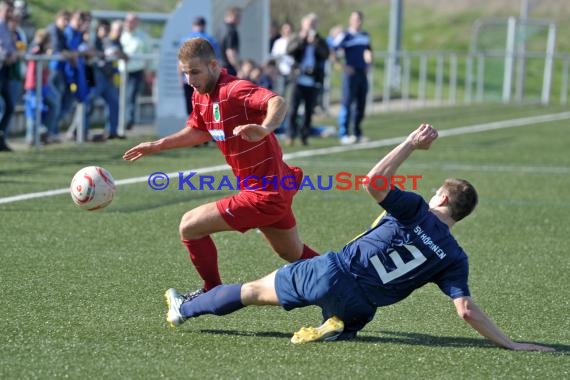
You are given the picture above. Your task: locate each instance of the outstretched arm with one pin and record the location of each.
(421, 138)
(476, 318)
(183, 138)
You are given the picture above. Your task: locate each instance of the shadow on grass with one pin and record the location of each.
(395, 337)
(263, 334)
(418, 339)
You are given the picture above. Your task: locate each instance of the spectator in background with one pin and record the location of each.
(134, 41)
(273, 34)
(105, 69)
(8, 56)
(284, 61)
(79, 75)
(198, 30)
(115, 33)
(41, 45)
(268, 75)
(355, 44)
(229, 40)
(17, 70)
(246, 69)
(58, 88)
(115, 42)
(334, 32)
(310, 52)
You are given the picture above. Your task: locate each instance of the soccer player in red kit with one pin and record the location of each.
(240, 117)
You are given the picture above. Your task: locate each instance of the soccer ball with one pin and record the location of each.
(92, 188)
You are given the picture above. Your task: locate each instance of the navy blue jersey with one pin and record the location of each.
(354, 44)
(405, 250)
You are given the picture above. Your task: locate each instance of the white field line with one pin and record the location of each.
(476, 128)
(491, 168)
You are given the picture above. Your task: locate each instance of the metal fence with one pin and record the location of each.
(42, 61)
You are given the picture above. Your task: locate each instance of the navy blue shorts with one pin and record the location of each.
(320, 281)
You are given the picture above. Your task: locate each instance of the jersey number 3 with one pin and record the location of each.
(401, 267)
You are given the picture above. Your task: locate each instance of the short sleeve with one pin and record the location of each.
(453, 282)
(195, 119)
(405, 206)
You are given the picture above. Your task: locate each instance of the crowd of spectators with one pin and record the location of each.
(79, 66)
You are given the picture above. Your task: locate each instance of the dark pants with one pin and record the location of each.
(9, 102)
(134, 84)
(105, 88)
(307, 95)
(354, 90)
(62, 101)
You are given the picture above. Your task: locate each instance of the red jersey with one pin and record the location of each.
(236, 102)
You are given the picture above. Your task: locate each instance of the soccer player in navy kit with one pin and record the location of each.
(407, 248)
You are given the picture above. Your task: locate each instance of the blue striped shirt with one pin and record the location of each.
(354, 45)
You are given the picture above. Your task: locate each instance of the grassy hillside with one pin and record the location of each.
(428, 24)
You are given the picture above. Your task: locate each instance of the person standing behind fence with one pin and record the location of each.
(284, 61)
(198, 31)
(229, 40)
(8, 56)
(134, 41)
(310, 52)
(17, 69)
(115, 34)
(41, 45)
(57, 85)
(105, 69)
(355, 43)
(78, 74)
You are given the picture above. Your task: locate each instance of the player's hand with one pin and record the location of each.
(140, 150)
(531, 347)
(422, 137)
(251, 132)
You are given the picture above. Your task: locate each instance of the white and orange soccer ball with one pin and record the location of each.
(92, 188)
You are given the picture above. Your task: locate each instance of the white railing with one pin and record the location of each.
(77, 124)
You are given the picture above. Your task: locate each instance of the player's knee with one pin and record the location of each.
(187, 227)
(260, 292)
(251, 293)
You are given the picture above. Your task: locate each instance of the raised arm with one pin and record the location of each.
(185, 137)
(421, 138)
(476, 318)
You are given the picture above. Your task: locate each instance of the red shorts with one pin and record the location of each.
(253, 209)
